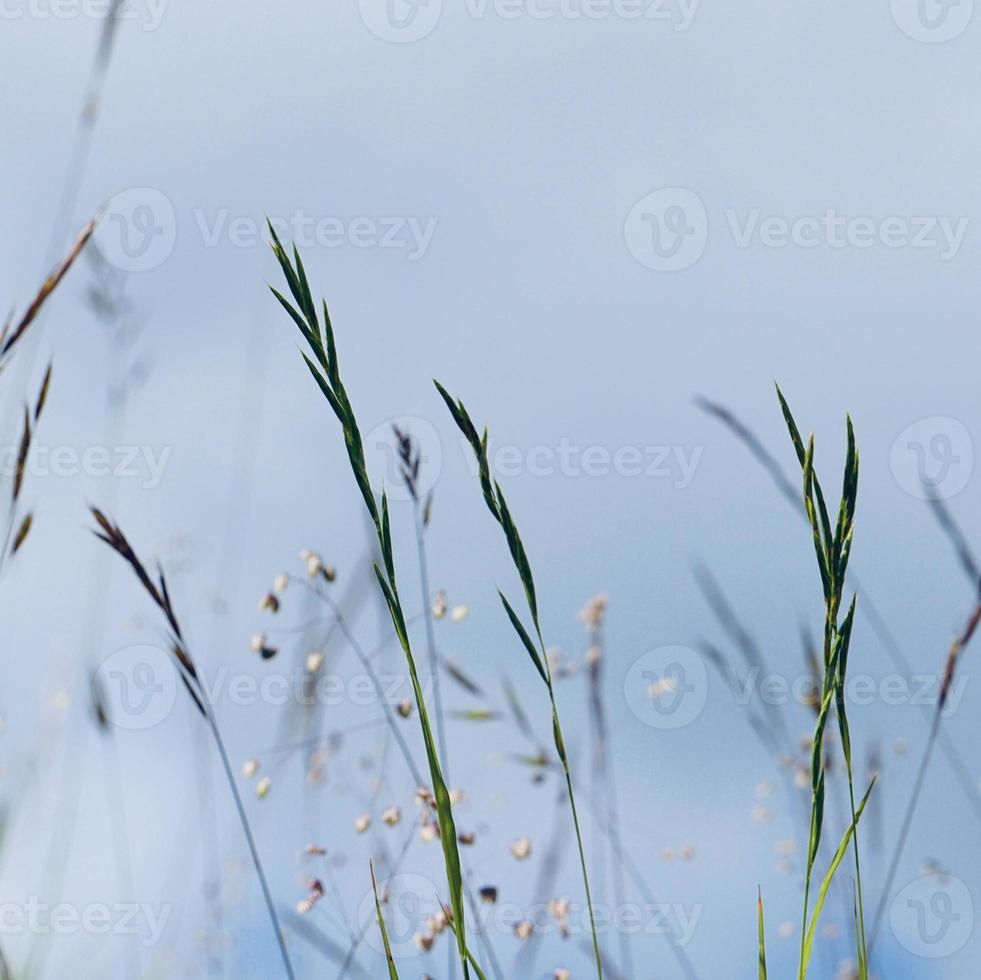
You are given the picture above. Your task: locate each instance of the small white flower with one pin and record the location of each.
(521, 848)
(362, 823)
(392, 816)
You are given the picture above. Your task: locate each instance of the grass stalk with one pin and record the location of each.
(832, 549)
(325, 370)
(496, 503)
(950, 669)
(762, 455)
(157, 590)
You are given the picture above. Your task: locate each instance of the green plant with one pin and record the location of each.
(832, 547)
(497, 505)
(326, 372)
(111, 535)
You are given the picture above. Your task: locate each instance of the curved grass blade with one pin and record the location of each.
(497, 504)
(826, 883)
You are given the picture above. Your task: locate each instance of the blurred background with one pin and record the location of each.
(581, 217)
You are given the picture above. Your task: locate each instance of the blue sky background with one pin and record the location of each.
(525, 143)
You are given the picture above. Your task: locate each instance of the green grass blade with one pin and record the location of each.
(826, 883)
(332, 388)
(393, 974)
(496, 503)
(525, 638)
(762, 943)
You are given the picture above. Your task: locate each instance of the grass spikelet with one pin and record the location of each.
(113, 536)
(12, 337)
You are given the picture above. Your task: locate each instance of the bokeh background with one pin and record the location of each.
(580, 223)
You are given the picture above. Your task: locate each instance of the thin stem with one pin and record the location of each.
(379, 690)
(572, 806)
(254, 851)
(904, 830)
(124, 870)
(607, 774)
(427, 613)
